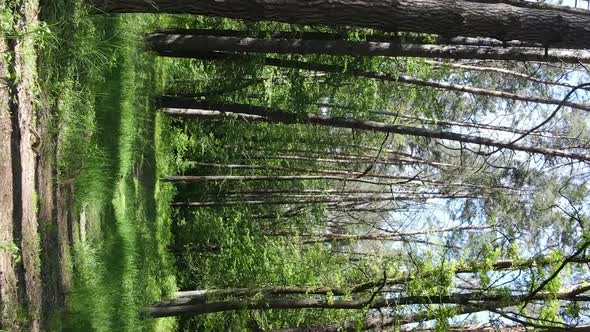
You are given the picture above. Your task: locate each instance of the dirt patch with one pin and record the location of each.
(64, 222)
(25, 65)
(55, 204)
(8, 248)
(35, 216)
(19, 227)
(53, 264)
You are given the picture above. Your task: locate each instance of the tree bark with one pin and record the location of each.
(204, 295)
(293, 169)
(472, 125)
(377, 323)
(485, 300)
(164, 42)
(191, 108)
(328, 200)
(403, 180)
(344, 161)
(199, 178)
(450, 18)
(348, 160)
(194, 46)
(390, 38)
(502, 71)
(390, 236)
(263, 192)
(419, 196)
(419, 82)
(474, 267)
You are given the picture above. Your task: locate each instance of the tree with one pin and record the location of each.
(197, 46)
(478, 300)
(330, 177)
(502, 71)
(549, 26)
(190, 43)
(192, 108)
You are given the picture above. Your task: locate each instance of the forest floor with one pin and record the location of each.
(84, 221)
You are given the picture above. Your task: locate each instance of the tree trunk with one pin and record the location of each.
(293, 169)
(419, 82)
(191, 108)
(328, 200)
(483, 300)
(472, 125)
(204, 295)
(378, 323)
(390, 38)
(367, 160)
(199, 178)
(403, 180)
(263, 192)
(502, 71)
(196, 46)
(165, 42)
(474, 267)
(349, 161)
(369, 194)
(449, 18)
(389, 236)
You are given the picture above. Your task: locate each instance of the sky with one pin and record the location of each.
(442, 214)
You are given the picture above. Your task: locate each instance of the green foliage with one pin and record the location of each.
(113, 149)
(549, 313)
(442, 314)
(12, 249)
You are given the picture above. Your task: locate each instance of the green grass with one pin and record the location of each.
(101, 83)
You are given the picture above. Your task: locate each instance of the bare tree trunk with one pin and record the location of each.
(235, 44)
(382, 236)
(471, 125)
(378, 324)
(344, 161)
(547, 26)
(502, 71)
(200, 178)
(419, 82)
(196, 46)
(349, 159)
(484, 300)
(206, 295)
(191, 108)
(474, 267)
(202, 296)
(403, 180)
(369, 194)
(328, 200)
(314, 35)
(302, 191)
(292, 169)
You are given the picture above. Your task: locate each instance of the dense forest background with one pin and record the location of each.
(219, 174)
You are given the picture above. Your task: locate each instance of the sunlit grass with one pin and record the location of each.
(101, 81)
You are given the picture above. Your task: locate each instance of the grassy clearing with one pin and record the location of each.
(101, 82)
